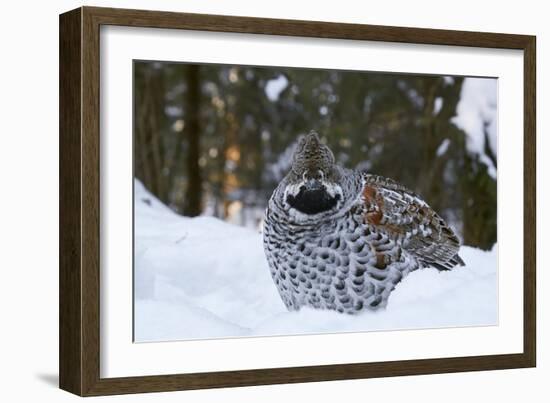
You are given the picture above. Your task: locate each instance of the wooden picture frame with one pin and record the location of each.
(79, 201)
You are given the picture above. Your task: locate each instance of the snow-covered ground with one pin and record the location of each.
(203, 278)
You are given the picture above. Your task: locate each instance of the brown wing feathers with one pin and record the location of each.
(402, 214)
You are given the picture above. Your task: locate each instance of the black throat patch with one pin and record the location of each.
(312, 201)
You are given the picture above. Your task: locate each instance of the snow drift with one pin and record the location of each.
(203, 278)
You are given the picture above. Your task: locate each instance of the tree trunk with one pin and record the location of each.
(192, 204)
(148, 133)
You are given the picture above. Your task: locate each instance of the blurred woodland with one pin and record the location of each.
(217, 139)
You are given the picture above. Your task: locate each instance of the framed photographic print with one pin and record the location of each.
(249, 201)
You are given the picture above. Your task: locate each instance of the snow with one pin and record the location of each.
(198, 278)
(443, 147)
(438, 104)
(275, 86)
(477, 107)
(448, 80)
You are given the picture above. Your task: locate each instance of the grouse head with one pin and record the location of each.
(313, 184)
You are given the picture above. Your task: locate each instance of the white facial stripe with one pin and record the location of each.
(294, 189)
(332, 189)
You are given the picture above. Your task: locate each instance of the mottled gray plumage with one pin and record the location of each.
(341, 239)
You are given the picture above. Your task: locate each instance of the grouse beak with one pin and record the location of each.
(313, 184)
